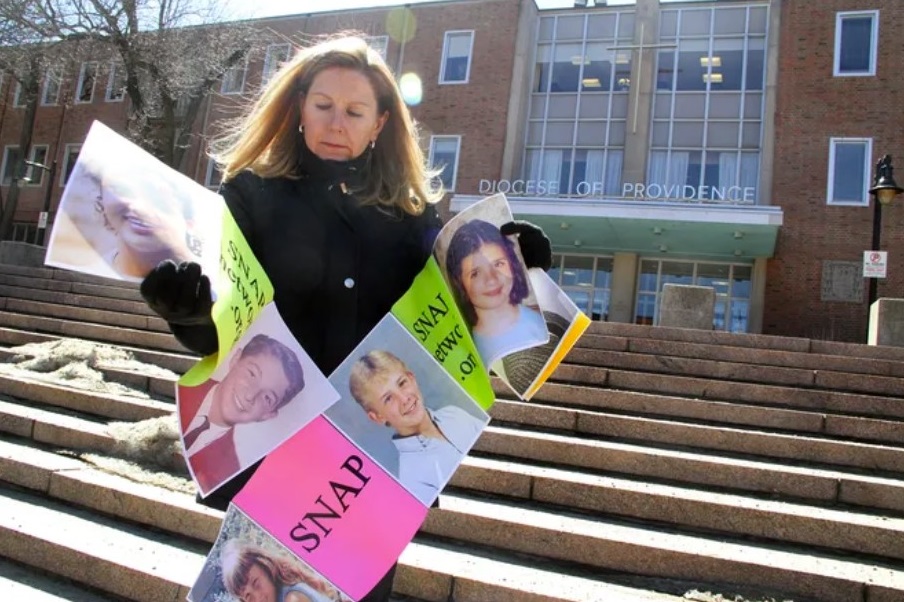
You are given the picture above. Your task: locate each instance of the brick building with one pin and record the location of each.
(655, 142)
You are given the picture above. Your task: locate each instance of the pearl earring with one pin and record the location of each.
(301, 129)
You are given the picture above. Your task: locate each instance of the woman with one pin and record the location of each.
(326, 180)
(253, 575)
(490, 284)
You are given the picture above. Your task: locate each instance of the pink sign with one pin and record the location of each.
(339, 512)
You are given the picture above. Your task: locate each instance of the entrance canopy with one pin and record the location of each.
(729, 232)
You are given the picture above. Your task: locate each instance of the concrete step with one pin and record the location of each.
(29, 584)
(112, 290)
(92, 332)
(85, 314)
(731, 371)
(582, 385)
(644, 550)
(49, 273)
(176, 362)
(71, 299)
(761, 341)
(690, 443)
(103, 553)
(786, 442)
(427, 571)
(721, 472)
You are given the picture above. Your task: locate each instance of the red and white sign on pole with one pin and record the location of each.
(874, 264)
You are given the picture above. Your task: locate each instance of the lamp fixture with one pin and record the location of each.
(580, 60)
(657, 230)
(663, 248)
(577, 243)
(884, 186)
(591, 82)
(564, 225)
(738, 234)
(713, 78)
(706, 61)
(738, 252)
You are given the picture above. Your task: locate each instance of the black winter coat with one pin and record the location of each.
(336, 266)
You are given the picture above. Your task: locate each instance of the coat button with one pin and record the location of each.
(349, 283)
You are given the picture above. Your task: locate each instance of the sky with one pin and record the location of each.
(273, 8)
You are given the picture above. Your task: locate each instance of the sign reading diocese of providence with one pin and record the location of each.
(637, 190)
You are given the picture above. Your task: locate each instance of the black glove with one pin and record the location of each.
(180, 294)
(535, 246)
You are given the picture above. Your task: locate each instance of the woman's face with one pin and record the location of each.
(142, 226)
(486, 275)
(340, 114)
(260, 588)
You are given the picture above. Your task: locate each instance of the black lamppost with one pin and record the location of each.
(884, 189)
(45, 214)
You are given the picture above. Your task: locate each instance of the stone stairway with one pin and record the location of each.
(657, 462)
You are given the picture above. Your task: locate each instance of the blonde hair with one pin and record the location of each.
(238, 557)
(266, 139)
(370, 366)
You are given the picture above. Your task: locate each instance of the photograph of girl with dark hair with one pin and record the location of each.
(491, 287)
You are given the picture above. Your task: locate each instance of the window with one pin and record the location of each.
(116, 82)
(35, 175)
(86, 79)
(849, 168)
(731, 283)
(70, 156)
(212, 177)
(856, 36)
(11, 165)
(19, 96)
(444, 156)
(708, 108)
(53, 80)
(456, 65)
(276, 55)
(234, 78)
(378, 43)
(586, 280)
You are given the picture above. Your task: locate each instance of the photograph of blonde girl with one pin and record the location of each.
(490, 285)
(246, 564)
(253, 574)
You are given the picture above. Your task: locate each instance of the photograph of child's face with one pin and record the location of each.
(486, 276)
(394, 399)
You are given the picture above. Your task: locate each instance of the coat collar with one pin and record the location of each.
(351, 172)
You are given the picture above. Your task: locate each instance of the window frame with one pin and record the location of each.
(208, 174)
(30, 171)
(81, 81)
(437, 137)
(442, 66)
(874, 43)
(67, 154)
(4, 165)
(867, 165)
(18, 100)
(267, 70)
(115, 66)
(383, 42)
(241, 89)
(45, 101)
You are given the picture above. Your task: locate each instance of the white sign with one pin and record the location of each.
(42, 220)
(874, 264)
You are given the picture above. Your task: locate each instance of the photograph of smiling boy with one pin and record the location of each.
(263, 376)
(128, 223)
(490, 285)
(404, 410)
